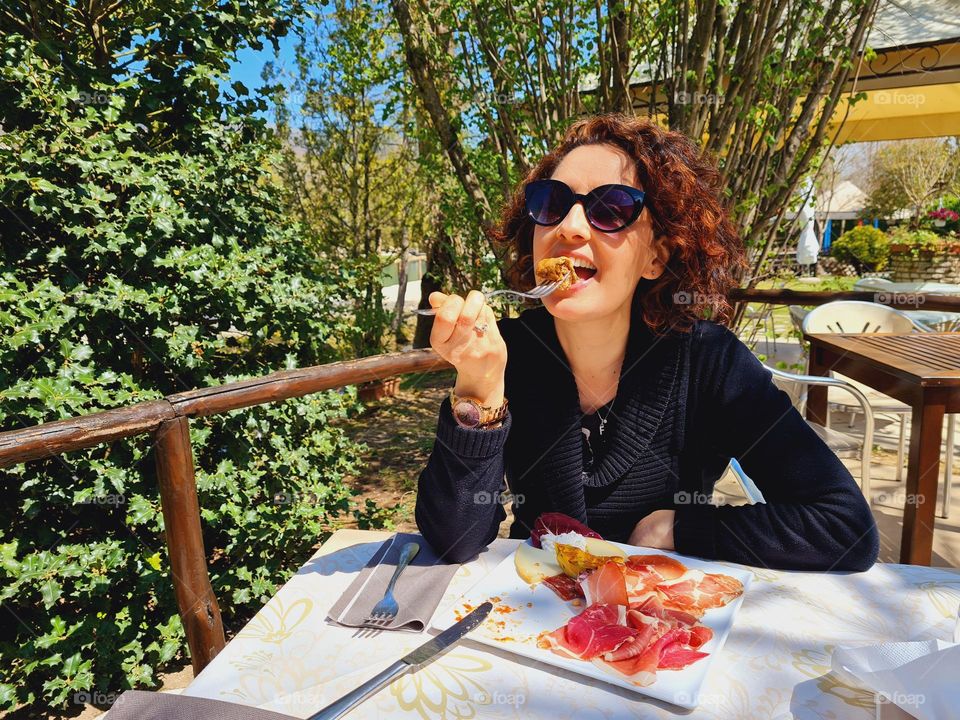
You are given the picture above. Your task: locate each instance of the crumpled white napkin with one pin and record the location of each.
(918, 677)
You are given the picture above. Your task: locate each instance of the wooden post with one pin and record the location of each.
(923, 476)
(817, 407)
(188, 564)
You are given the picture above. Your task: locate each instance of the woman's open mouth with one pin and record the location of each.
(584, 269)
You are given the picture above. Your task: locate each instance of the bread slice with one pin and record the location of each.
(555, 268)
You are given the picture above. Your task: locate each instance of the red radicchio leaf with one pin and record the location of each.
(557, 523)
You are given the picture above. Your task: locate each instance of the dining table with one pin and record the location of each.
(775, 664)
(919, 369)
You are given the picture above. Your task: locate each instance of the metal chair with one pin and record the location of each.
(841, 444)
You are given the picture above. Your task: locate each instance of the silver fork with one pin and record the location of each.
(386, 610)
(539, 292)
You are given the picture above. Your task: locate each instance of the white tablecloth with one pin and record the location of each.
(774, 665)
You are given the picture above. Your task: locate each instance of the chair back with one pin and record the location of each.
(797, 314)
(853, 316)
(873, 283)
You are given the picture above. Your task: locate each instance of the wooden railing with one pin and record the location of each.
(898, 300)
(168, 421)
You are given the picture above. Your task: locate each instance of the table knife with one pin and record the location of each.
(411, 662)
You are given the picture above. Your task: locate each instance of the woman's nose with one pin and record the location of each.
(575, 224)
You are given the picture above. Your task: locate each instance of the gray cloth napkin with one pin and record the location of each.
(140, 705)
(418, 591)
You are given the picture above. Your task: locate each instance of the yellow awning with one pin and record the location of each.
(910, 112)
(912, 91)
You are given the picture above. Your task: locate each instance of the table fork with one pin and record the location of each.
(539, 292)
(386, 610)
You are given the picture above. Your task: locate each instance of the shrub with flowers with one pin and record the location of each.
(945, 218)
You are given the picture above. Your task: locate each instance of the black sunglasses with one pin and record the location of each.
(608, 208)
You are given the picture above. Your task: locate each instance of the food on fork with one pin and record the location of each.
(556, 268)
(641, 613)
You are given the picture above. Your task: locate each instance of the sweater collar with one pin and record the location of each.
(648, 377)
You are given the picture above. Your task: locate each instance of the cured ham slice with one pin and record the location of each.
(606, 585)
(654, 607)
(597, 630)
(564, 586)
(670, 651)
(664, 567)
(641, 584)
(676, 651)
(628, 641)
(696, 594)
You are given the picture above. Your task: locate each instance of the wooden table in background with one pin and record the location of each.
(922, 370)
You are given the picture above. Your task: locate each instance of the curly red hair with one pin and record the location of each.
(684, 197)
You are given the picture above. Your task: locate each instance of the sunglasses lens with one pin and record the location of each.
(611, 209)
(547, 202)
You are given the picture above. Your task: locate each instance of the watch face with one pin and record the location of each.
(467, 413)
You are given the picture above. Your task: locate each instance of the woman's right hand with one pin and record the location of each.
(480, 359)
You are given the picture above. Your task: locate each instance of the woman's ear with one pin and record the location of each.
(656, 266)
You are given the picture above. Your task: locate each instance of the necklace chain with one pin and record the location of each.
(603, 420)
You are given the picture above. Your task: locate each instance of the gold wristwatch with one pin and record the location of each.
(470, 413)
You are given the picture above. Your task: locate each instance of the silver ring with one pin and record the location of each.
(480, 329)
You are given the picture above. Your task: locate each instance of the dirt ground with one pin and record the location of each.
(398, 432)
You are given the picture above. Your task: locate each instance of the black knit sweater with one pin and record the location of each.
(686, 403)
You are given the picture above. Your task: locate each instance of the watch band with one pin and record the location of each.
(474, 415)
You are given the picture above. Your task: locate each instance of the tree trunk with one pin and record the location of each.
(398, 311)
(416, 40)
(440, 265)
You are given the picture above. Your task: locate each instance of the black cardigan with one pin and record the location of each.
(686, 403)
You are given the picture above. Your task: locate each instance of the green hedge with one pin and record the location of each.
(143, 251)
(866, 248)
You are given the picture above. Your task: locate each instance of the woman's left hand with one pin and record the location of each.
(655, 530)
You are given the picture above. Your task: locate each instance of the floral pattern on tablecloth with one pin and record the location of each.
(775, 664)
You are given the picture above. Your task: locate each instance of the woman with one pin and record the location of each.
(615, 402)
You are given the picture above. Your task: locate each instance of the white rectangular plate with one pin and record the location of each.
(521, 612)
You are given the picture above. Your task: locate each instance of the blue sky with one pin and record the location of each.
(249, 63)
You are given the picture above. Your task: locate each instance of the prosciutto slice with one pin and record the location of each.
(653, 607)
(607, 584)
(597, 630)
(628, 641)
(696, 594)
(564, 586)
(660, 566)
